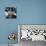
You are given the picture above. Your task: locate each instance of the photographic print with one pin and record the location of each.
(31, 33)
(10, 12)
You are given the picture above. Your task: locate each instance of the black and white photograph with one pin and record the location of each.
(10, 12)
(31, 34)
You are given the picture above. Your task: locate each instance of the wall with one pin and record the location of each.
(28, 12)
